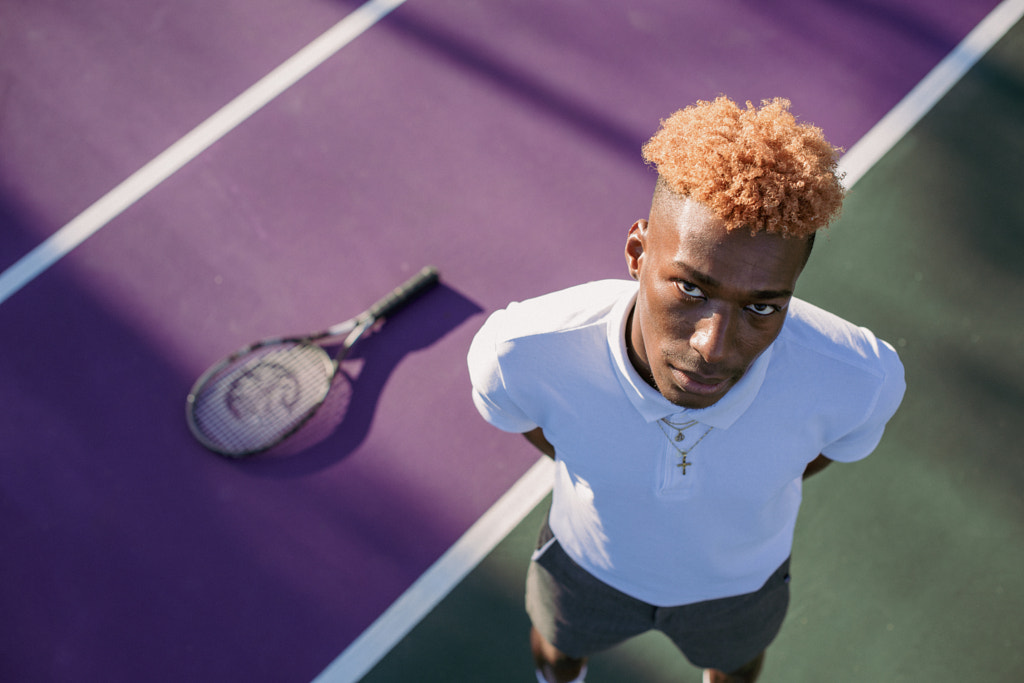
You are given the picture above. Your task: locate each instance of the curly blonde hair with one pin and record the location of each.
(755, 168)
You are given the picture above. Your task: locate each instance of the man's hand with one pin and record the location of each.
(536, 437)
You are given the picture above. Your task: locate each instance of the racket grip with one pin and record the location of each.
(404, 293)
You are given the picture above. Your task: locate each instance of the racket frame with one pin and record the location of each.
(352, 330)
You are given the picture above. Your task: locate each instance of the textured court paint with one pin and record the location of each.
(137, 185)
(876, 577)
(442, 577)
(919, 101)
(172, 303)
(414, 604)
(870, 148)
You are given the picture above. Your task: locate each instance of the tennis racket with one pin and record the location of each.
(263, 393)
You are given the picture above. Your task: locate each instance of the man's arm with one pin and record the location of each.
(816, 465)
(536, 437)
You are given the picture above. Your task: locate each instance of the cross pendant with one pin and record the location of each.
(683, 465)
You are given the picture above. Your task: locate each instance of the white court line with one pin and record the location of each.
(439, 580)
(137, 185)
(919, 101)
(862, 156)
(416, 602)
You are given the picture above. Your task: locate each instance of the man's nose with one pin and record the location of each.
(713, 336)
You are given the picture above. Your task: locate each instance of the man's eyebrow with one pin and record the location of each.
(700, 278)
(771, 294)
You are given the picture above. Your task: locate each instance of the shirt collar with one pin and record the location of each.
(653, 406)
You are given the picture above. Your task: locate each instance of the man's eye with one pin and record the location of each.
(690, 290)
(763, 309)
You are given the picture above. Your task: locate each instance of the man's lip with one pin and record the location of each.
(700, 384)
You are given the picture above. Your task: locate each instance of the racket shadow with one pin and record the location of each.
(342, 424)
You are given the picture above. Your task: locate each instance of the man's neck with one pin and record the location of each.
(642, 368)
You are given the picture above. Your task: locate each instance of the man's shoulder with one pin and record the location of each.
(569, 309)
(815, 331)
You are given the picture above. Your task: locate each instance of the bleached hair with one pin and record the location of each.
(755, 168)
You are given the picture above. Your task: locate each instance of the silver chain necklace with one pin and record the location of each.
(680, 436)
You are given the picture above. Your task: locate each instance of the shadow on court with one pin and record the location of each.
(907, 565)
(475, 60)
(119, 528)
(16, 237)
(342, 426)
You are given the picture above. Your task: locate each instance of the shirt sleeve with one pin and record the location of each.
(861, 441)
(490, 394)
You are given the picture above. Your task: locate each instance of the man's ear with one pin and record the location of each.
(635, 241)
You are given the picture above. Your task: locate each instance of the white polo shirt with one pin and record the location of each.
(622, 508)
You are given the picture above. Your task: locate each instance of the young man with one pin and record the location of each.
(684, 410)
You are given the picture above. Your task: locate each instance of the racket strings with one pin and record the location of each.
(256, 400)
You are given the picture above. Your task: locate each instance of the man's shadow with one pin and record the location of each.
(341, 425)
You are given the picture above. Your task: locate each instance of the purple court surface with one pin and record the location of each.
(498, 141)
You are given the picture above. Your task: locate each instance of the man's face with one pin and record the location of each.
(710, 301)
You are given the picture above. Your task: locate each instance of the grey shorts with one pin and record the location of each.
(581, 615)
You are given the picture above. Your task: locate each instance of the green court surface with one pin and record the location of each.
(908, 566)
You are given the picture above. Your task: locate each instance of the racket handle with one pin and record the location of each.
(404, 293)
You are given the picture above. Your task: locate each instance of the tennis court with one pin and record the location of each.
(179, 180)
